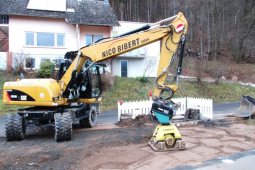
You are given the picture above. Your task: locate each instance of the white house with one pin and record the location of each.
(137, 63)
(42, 30)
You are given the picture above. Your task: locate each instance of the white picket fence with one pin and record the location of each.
(143, 107)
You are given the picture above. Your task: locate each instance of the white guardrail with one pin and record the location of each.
(143, 107)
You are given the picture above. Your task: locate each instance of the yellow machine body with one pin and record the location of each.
(32, 92)
(163, 131)
(166, 137)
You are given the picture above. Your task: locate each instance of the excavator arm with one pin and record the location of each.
(172, 35)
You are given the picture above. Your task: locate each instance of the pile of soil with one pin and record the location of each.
(141, 120)
(227, 121)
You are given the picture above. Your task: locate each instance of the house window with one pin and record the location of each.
(123, 68)
(4, 19)
(29, 38)
(30, 63)
(43, 39)
(60, 40)
(57, 62)
(91, 38)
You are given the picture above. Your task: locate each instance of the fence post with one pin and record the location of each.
(119, 111)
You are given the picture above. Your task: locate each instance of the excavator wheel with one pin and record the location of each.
(67, 122)
(63, 126)
(91, 120)
(15, 127)
(9, 131)
(59, 128)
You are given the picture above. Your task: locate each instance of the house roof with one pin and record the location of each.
(87, 12)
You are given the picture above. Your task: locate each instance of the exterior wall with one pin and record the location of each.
(141, 62)
(19, 25)
(137, 67)
(9, 61)
(98, 30)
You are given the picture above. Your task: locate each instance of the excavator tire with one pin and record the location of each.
(91, 120)
(9, 131)
(15, 128)
(19, 127)
(59, 128)
(67, 122)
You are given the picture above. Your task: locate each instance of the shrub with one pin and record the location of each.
(107, 81)
(19, 67)
(143, 79)
(46, 69)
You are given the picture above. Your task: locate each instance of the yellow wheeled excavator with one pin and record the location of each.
(76, 94)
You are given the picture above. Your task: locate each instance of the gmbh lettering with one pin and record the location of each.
(120, 48)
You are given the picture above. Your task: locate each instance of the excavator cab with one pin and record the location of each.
(87, 83)
(68, 58)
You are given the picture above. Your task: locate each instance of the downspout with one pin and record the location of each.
(77, 29)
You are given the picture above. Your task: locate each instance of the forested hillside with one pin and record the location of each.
(218, 28)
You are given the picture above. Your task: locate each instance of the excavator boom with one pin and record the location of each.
(171, 35)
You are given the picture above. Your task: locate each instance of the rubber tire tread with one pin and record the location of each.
(18, 127)
(67, 122)
(59, 128)
(9, 132)
(88, 121)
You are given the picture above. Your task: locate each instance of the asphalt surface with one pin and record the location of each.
(108, 117)
(225, 108)
(242, 160)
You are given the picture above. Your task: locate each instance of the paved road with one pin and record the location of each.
(223, 108)
(110, 117)
(243, 160)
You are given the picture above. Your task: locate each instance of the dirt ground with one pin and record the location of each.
(115, 147)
